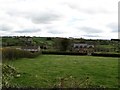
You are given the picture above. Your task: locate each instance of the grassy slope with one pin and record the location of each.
(105, 46)
(45, 70)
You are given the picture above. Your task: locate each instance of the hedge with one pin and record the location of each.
(106, 54)
(11, 54)
(63, 53)
(77, 53)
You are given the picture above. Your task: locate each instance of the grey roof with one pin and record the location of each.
(29, 47)
(82, 45)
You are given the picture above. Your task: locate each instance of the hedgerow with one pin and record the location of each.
(106, 54)
(62, 53)
(12, 54)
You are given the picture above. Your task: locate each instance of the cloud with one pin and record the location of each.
(66, 17)
(55, 32)
(28, 31)
(37, 17)
(93, 9)
(91, 35)
(44, 18)
(118, 34)
(5, 28)
(113, 27)
(90, 30)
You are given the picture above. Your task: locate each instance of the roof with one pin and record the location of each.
(29, 47)
(82, 45)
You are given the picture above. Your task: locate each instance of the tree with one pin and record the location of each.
(62, 44)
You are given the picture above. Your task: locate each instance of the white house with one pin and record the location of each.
(31, 48)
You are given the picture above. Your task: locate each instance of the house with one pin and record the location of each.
(80, 45)
(31, 48)
(83, 48)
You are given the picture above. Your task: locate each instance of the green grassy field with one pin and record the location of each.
(46, 70)
(105, 46)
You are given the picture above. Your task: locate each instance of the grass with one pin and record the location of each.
(105, 46)
(46, 70)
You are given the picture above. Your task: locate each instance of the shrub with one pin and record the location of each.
(8, 72)
(72, 82)
(106, 54)
(11, 54)
(63, 53)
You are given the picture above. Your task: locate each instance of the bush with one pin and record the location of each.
(8, 72)
(63, 53)
(11, 54)
(72, 82)
(106, 54)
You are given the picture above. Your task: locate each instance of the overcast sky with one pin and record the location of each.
(90, 19)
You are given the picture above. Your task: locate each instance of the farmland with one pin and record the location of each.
(53, 43)
(47, 71)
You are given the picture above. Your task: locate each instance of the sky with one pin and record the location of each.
(89, 19)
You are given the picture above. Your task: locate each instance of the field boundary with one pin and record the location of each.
(80, 54)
